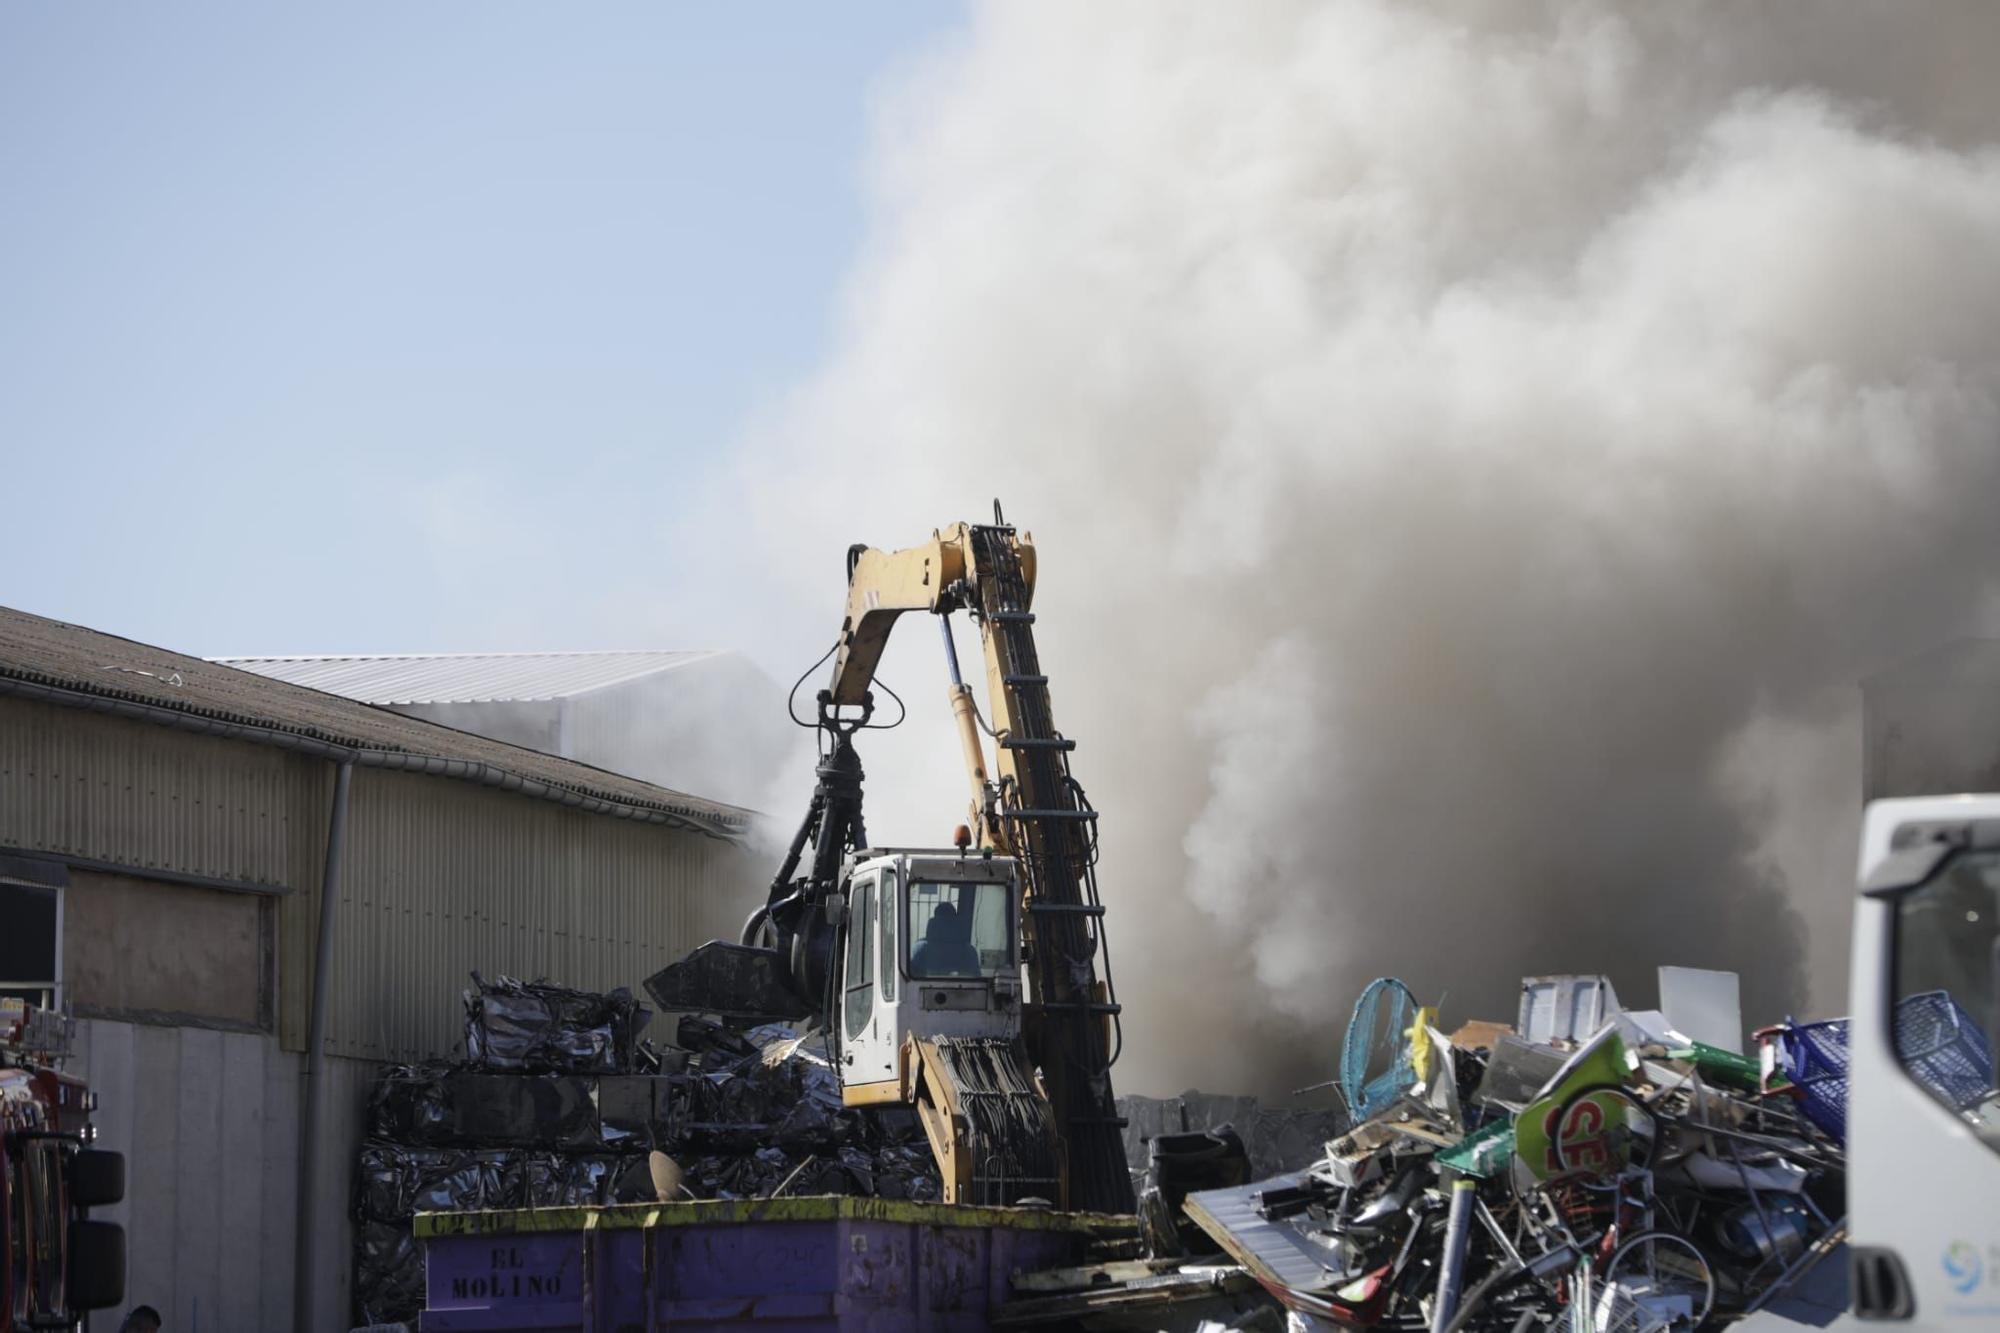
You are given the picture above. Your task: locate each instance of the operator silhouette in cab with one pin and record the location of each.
(947, 948)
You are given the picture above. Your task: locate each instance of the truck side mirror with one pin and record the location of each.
(96, 1178)
(836, 911)
(96, 1265)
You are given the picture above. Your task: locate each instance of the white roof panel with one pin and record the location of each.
(426, 678)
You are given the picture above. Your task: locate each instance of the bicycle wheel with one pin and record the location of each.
(1664, 1270)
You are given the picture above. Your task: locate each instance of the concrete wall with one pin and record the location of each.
(208, 1122)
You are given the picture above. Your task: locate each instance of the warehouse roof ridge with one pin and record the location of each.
(426, 678)
(68, 663)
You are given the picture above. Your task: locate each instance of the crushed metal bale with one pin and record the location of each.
(535, 1027)
(560, 1104)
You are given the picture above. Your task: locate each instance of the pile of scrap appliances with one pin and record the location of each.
(59, 1262)
(1588, 1167)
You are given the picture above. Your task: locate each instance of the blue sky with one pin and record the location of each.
(390, 327)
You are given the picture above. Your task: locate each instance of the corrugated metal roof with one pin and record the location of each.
(434, 678)
(52, 653)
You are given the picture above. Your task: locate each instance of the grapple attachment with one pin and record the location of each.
(730, 980)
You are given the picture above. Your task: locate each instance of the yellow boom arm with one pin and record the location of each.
(940, 576)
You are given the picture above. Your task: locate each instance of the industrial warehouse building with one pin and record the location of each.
(652, 715)
(167, 826)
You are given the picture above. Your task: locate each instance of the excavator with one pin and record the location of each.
(913, 959)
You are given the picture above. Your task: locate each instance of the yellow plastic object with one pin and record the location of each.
(1419, 1034)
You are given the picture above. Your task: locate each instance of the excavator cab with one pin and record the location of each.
(912, 960)
(931, 949)
(928, 1014)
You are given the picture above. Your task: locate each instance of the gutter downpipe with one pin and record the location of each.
(304, 1284)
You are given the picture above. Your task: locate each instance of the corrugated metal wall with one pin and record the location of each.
(114, 789)
(439, 878)
(146, 796)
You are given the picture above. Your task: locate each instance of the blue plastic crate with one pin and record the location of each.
(1945, 1049)
(1816, 1061)
(1936, 1039)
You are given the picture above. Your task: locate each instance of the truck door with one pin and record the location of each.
(868, 1021)
(1923, 1114)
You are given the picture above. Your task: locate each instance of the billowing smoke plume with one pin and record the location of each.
(1475, 449)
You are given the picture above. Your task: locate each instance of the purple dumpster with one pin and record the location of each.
(794, 1264)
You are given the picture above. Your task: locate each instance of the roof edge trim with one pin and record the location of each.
(230, 659)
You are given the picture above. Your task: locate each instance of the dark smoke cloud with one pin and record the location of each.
(1475, 451)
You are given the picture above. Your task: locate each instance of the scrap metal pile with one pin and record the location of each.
(539, 1114)
(1595, 1170)
(560, 1103)
(758, 1113)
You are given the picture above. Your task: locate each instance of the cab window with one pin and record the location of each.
(960, 929)
(1946, 952)
(860, 972)
(886, 900)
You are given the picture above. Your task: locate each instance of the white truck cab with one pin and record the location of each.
(931, 946)
(1923, 1121)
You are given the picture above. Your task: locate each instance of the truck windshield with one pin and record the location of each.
(960, 929)
(1947, 951)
